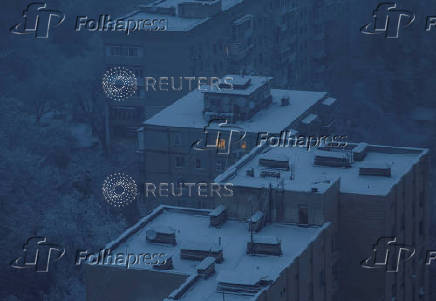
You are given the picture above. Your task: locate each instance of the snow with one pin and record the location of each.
(329, 101)
(255, 83)
(309, 118)
(307, 175)
(187, 112)
(233, 234)
(176, 23)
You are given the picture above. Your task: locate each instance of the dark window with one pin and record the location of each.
(197, 163)
(133, 51)
(180, 161)
(303, 216)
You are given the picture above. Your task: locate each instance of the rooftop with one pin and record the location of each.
(306, 175)
(174, 22)
(188, 112)
(242, 85)
(191, 226)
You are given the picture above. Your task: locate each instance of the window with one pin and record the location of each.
(219, 165)
(421, 199)
(133, 51)
(303, 216)
(421, 228)
(222, 144)
(197, 163)
(177, 139)
(124, 51)
(115, 50)
(180, 161)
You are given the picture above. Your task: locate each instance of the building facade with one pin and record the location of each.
(201, 261)
(282, 38)
(378, 192)
(205, 132)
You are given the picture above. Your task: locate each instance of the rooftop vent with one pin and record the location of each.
(270, 174)
(241, 82)
(266, 245)
(250, 172)
(154, 8)
(309, 118)
(256, 221)
(201, 251)
(168, 265)
(206, 267)
(332, 159)
(285, 101)
(235, 282)
(165, 235)
(360, 151)
(375, 169)
(199, 8)
(218, 216)
(277, 163)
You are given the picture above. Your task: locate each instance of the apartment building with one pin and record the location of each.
(187, 141)
(200, 260)
(378, 192)
(211, 38)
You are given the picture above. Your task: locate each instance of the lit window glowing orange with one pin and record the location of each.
(244, 145)
(221, 144)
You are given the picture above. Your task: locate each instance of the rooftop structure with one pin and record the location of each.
(189, 110)
(365, 191)
(181, 15)
(308, 173)
(240, 275)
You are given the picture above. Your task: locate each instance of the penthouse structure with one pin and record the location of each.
(366, 191)
(214, 262)
(211, 38)
(203, 133)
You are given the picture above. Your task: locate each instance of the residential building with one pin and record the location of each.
(211, 38)
(199, 261)
(174, 142)
(379, 192)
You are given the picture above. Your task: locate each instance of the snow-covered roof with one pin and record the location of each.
(193, 226)
(187, 112)
(247, 84)
(306, 175)
(175, 23)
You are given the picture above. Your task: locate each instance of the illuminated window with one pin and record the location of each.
(221, 143)
(244, 145)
